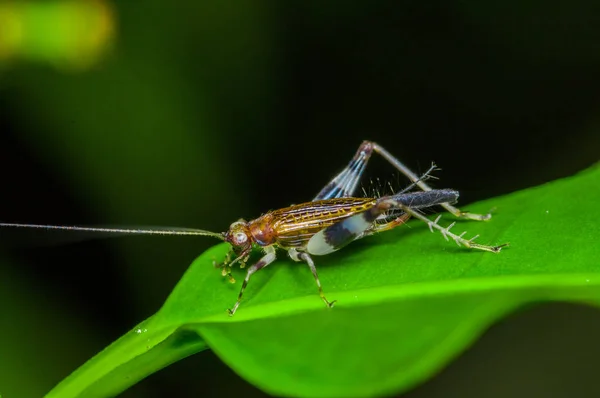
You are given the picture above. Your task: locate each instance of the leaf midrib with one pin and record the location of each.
(370, 296)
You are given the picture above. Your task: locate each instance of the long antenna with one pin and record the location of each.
(125, 231)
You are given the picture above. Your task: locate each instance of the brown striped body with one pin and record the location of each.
(293, 226)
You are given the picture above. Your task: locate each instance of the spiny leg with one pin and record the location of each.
(424, 177)
(301, 256)
(446, 232)
(420, 183)
(411, 202)
(267, 259)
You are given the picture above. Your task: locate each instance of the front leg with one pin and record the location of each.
(224, 265)
(227, 263)
(267, 259)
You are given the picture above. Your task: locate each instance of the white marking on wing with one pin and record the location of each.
(351, 228)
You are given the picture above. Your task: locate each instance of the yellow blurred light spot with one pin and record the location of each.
(72, 34)
(11, 32)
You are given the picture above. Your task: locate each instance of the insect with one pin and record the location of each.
(333, 219)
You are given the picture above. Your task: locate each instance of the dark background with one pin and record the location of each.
(198, 114)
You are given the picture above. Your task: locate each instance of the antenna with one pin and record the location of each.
(125, 231)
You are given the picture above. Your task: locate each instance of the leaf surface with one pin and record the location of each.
(408, 302)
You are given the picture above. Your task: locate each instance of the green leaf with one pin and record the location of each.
(408, 302)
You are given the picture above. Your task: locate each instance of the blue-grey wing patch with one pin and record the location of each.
(339, 234)
(344, 184)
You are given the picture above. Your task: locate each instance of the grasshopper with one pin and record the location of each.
(333, 219)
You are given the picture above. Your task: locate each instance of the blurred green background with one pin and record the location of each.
(195, 114)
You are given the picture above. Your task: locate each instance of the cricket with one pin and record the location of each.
(333, 219)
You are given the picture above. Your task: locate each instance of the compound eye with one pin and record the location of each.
(240, 238)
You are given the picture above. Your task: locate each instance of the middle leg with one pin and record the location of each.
(305, 257)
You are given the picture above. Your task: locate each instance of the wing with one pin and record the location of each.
(339, 234)
(295, 225)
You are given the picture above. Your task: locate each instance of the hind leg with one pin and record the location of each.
(420, 183)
